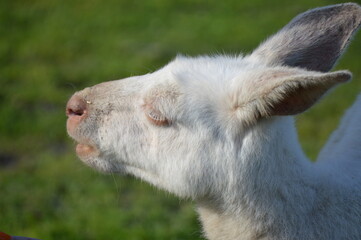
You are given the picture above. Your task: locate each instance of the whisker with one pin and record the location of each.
(117, 187)
(71, 85)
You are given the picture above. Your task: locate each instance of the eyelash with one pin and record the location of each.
(156, 117)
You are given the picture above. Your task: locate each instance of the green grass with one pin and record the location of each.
(49, 49)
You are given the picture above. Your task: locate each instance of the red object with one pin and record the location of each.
(4, 236)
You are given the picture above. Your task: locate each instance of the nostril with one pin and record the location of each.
(71, 112)
(76, 106)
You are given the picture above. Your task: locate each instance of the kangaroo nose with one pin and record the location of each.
(76, 110)
(76, 107)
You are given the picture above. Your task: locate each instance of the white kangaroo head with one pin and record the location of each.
(182, 128)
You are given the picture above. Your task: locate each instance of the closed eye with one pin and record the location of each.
(156, 117)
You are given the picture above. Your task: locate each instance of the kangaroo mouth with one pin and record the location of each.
(84, 147)
(85, 150)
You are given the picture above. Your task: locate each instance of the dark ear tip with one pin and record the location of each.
(353, 8)
(348, 6)
(343, 76)
(352, 5)
(313, 40)
(349, 10)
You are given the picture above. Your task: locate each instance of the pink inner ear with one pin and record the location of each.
(275, 74)
(294, 94)
(297, 100)
(269, 76)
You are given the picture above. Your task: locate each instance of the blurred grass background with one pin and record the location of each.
(49, 49)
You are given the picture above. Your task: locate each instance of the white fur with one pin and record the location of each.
(231, 144)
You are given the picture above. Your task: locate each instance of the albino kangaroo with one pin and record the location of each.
(220, 130)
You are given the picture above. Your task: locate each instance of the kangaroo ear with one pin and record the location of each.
(313, 40)
(294, 94)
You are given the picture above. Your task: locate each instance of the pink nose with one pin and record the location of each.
(76, 110)
(76, 106)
